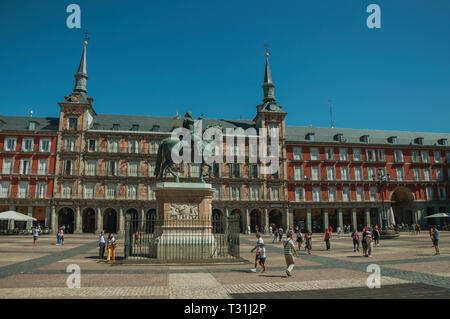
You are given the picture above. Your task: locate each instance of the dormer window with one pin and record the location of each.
(310, 137)
(419, 140)
(365, 139)
(393, 140)
(135, 127)
(339, 138)
(155, 128)
(73, 123)
(115, 127)
(32, 126)
(96, 126)
(443, 141)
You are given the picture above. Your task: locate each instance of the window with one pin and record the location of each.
(429, 193)
(91, 168)
(275, 193)
(154, 147)
(370, 155)
(398, 156)
(41, 190)
(447, 157)
(419, 140)
(332, 194)
(315, 173)
(32, 126)
(5, 189)
(343, 155)
(135, 127)
(359, 194)
(417, 174)
(373, 194)
(357, 154)
(235, 170)
(400, 174)
(254, 192)
(25, 165)
(67, 190)
(45, 144)
(427, 174)
(316, 194)
(310, 137)
(297, 153)
(381, 155)
(133, 146)
(235, 193)
(339, 138)
(217, 170)
(346, 194)
(365, 139)
(10, 143)
(110, 191)
(43, 166)
(133, 169)
(437, 156)
(96, 126)
(7, 166)
(344, 173)
(331, 176)
(298, 173)
(70, 144)
(358, 173)
(415, 156)
(111, 168)
(299, 194)
(27, 144)
(89, 191)
(23, 189)
(155, 128)
(253, 170)
(425, 156)
(151, 192)
(442, 195)
(253, 150)
(115, 127)
(113, 146)
(131, 191)
(371, 173)
(195, 170)
(393, 140)
(73, 124)
(151, 168)
(314, 154)
(273, 129)
(329, 153)
(92, 145)
(439, 174)
(67, 167)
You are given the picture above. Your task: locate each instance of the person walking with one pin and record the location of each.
(101, 244)
(299, 239)
(355, 236)
(339, 230)
(112, 244)
(270, 229)
(261, 253)
(36, 231)
(435, 237)
(368, 243)
(259, 241)
(308, 245)
(376, 236)
(327, 239)
(275, 234)
(363, 241)
(280, 233)
(289, 250)
(59, 237)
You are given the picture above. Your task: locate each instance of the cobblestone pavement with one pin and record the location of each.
(408, 267)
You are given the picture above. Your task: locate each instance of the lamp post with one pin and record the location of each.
(382, 181)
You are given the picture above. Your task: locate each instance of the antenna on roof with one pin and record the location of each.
(331, 114)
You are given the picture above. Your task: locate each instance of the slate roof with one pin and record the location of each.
(353, 136)
(21, 123)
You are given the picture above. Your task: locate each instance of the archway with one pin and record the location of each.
(66, 217)
(110, 220)
(300, 219)
(237, 212)
(276, 218)
(255, 221)
(333, 219)
(402, 202)
(217, 221)
(134, 219)
(150, 219)
(316, 221)
(88, 220)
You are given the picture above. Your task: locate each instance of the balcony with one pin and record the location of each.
(32, 172)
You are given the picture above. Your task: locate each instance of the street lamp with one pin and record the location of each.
(383, 179)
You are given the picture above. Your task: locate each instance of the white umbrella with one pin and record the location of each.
(12, 215)
(438, 215)
(391, 216)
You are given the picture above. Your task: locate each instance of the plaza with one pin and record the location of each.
(408, 266)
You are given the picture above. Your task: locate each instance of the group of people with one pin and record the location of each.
(369, 238)
(110, 245)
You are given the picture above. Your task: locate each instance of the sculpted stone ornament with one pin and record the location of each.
(74, 98)
(184, 211)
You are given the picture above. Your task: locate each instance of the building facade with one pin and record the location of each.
(100, 168)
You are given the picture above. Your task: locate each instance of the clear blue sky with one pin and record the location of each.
(158, 57)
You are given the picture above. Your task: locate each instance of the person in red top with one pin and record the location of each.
(327, 239)
(331, 229)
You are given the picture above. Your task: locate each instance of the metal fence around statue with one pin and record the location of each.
(155, 240)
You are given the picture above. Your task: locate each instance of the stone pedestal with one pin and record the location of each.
(183, 229)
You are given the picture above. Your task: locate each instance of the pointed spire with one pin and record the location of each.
(268, 86)
(81, 75)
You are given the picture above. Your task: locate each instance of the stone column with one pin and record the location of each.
(48, 216)
(78, 221)
(121, 223)
(11, 222)
(308, 220)
(286, 219)
(142, 219)
(380, 218)
(354, 219)
(291, 217)
(367, 216)
(340, 219)
(246, 220)
(30, 214)
(98, 221)
(266, 217)
(53, 221)
(325, 219)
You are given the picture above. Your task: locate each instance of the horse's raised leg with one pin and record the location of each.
(163, 168)
(169, 167)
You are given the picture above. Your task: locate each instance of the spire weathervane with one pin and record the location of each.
(266, 48)
(86, 37)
